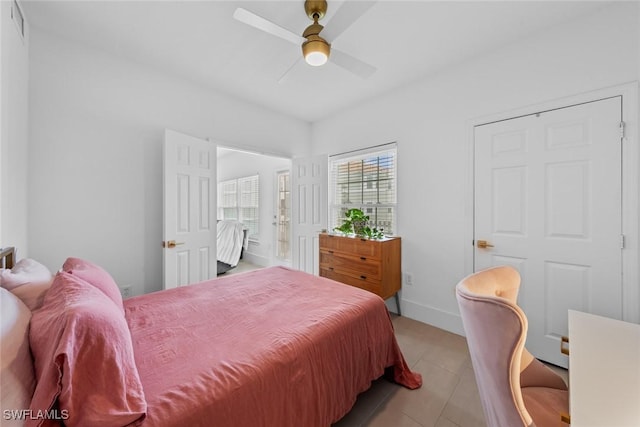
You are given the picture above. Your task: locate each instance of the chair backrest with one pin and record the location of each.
(496, 329)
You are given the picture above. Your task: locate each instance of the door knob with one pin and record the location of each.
(484, 244)
(171, 244)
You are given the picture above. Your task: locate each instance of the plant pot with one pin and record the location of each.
(358, 227)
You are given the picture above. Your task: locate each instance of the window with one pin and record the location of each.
(364, 179)
(283, 219)
(238, 199)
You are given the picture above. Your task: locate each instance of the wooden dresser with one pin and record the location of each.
(373, 265)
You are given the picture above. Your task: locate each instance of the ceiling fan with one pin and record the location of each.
(316, 48)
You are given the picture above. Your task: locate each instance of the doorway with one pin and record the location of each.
(247, 192)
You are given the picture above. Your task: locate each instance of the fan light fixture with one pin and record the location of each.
(316, 52)
(316, 49)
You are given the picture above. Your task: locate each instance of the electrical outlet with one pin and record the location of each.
(408, 279)
(125, 291)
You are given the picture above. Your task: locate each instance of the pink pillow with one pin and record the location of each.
(96, 276)
(83, 357)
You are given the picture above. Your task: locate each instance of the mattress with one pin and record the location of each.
(272, 347)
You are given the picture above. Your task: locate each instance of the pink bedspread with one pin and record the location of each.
(273, 347)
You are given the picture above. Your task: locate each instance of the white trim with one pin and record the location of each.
(630, 183)
(22, 30)
(251, 149)
(431, 316)
(260, 260)
(359, 152)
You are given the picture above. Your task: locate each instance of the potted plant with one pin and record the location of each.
(356, 222)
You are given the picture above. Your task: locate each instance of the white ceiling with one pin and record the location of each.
(200, 41)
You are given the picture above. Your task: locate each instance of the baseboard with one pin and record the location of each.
(423, 313)
(260, 260)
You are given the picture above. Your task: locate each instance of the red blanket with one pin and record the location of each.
(273, 347)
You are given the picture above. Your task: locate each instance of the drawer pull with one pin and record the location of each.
(330, 252)
(363, 277)
(363, 258)
(331, 268)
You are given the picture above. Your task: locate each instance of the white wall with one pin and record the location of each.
(95, 161)
(240, 164)
(431, 122)
(14, 132)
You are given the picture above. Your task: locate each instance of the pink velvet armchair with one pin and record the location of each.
(515, 388)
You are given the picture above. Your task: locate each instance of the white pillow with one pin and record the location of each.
(17, 378)
(25, 271)
(28, 280)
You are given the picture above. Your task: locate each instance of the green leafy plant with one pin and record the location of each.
(373, 233)
(355, 222)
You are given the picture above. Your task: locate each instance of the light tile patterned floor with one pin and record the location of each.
(449, 396)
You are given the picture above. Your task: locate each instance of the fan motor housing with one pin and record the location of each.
(316, 9)
(312, 30)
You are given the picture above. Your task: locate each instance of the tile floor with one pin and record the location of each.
(448, 397)
(242, 267)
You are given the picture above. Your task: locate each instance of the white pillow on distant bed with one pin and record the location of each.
(25, 271)
(28, 280)
(17, 378)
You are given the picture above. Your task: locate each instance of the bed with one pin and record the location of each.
(272, 347)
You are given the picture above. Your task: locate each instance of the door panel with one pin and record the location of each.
(308, 183)
(189, 206)
(548, 198)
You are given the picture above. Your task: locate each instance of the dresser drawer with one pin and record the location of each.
(368, 284)
(351, 245)
(351, 265)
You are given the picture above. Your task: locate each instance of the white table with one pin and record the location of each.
(604, 371)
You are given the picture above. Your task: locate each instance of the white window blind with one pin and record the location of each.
(366, 180)
(228, 200)
(249, 189)
(238, 199)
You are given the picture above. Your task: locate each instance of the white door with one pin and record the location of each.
(309, 213)
(548, 199)
(189, 238)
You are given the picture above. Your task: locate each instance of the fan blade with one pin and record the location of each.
(285, 76)
(351, 64)
(267, 26)
(348, 13)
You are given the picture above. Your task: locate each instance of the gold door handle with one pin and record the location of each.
(171, 244)
(484, 244)
(564, 349)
